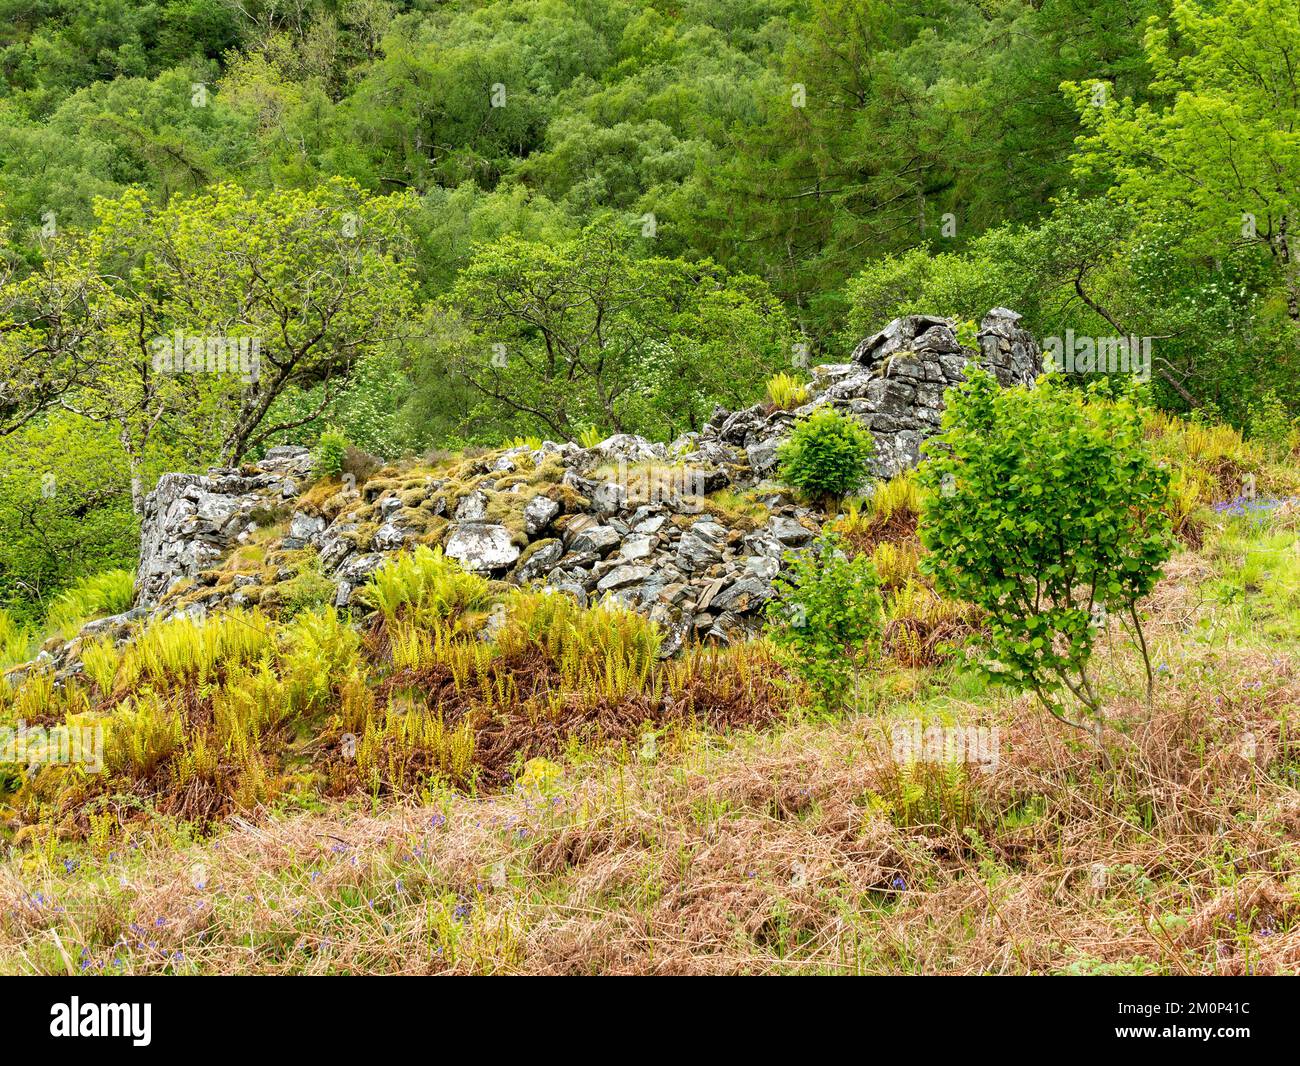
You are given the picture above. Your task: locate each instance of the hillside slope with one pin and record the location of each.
(576, 804)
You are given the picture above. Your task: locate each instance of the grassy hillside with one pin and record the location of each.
(285, 795)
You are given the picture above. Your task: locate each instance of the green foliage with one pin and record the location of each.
(597, 331)
(826, 619)
(320, 651)
(1270, 425)
(65, 509)
(1045, 507)
(786, 391)
(1219, 143)
(826, 454)
(106, 593)
(330, 452)
(308, 590)
(968, 333)
(205, 311)
(590, 436)
(425, 586)
(16, 641)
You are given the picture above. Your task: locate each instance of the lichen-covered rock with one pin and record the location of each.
(636, 546)
(743, 596)
(701, 545)
(589, 535)
(788, 531)
(622, 576)
(481, 547)
(304, 529)
(540, 559)
(539, 512)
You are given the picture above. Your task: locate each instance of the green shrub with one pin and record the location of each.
(331, 450)
(826, 455)
(1269, 424)
(968, 334)
(826, 618)
(308, 590)
(1046, 508)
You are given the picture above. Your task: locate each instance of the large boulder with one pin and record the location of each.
(481, 546)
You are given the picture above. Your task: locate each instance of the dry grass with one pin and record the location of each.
(802, 849)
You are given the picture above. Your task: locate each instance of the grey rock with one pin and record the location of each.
(744, 596)
(593, 537)
(622, 576)
(306, 528)
(569, 588)
(608, 497)
(334, 546)
(788, 531)
(701, 545)
(541, 561)
(762, 455)
(899, 335)
(628, 448)
(359, 568)
(472, 508)
(481, 547)
(287, 459)
(539, 512)
(390, 536)
(637, 546)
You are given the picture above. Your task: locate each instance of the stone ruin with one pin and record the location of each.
(628, 519)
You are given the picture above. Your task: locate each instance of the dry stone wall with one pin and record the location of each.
(629, 519)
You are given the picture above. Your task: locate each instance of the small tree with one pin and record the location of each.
(826, 455)
(555, 336)
(331, 450)
(1045, 508)
(187, 322)
(826, 618)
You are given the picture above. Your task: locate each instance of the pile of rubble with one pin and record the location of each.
(629, 519)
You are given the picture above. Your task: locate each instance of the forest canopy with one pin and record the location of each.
(431, 225)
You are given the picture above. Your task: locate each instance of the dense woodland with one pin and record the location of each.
(454, 224)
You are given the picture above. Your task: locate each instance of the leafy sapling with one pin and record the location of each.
(1046, 509)
(331, 450)
(826, 455)
(826, 618)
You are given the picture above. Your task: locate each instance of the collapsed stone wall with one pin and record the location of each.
(628, 519)
(190, 520)
(894, 383)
